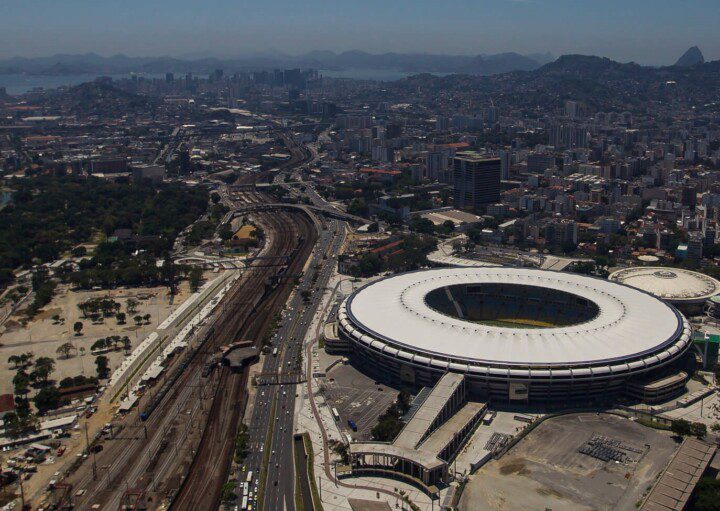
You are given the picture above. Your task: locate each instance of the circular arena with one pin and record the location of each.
(519, 334)
(685, 289)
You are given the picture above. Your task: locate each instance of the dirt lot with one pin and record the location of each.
(42, 335)
(546, 471)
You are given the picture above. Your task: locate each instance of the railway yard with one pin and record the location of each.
(175, 447)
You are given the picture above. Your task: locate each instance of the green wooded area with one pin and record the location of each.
(50, 215)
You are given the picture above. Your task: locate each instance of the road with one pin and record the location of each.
(147, 455)
(279, 486)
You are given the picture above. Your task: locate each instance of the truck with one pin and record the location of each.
(352, 424)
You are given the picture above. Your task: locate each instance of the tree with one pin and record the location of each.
(681, 427)
(403, 400)
(15, 361)
(78, 326)
(100, 344)
(421, 225)
(56, 319)
(146, 318)
(120, 317)
(21, 383)
(64, 350)
(168, 273)
(47, 399)
(225, 232)
(131, 305)
(21, 361)
(26, 359)
(102, 366)
(228, 491)
(707, 495)
(698, 430)
(6, 276)
(342, 450)
(79, 251)
(44, 367)
(138, 319)
(195, 278)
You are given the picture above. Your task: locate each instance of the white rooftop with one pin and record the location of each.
(630, 322)
(672, 284)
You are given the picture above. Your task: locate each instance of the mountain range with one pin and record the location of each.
(91, 63)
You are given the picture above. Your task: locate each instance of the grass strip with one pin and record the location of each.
(317, 503)
(299, 505)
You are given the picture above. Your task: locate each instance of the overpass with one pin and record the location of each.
(306, 208)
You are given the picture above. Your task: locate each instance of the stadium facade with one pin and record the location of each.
(519, 334)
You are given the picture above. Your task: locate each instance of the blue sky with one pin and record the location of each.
(646, 31)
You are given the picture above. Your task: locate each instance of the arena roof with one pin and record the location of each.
(630, 323)
(673, 284)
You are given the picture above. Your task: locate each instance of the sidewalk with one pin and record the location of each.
(311, 408)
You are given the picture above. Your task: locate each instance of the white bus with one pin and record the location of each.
(249, 477)
(244, 504)
(336, 415)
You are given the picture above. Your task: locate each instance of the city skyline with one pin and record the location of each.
(644, 32)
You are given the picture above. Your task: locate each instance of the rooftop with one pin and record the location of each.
(630, 323)
(415, 430)
(674, 488)
(673, 284)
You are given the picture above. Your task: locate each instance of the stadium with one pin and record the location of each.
(686, 290)
(519, 334)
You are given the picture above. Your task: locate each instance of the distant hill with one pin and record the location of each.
(95, 98)
(692, 57)
(91, 63)
(601, 83)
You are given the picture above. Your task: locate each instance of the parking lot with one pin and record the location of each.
(547, 470)
(357, 397)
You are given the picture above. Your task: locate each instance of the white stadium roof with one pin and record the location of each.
(630, 323)
(673, 284)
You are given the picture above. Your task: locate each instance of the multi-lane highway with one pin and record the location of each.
(271, 425)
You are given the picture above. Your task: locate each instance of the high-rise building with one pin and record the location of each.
(490, 114)
(561, 233)
(476, 180)
(505, 163)
(169, 78)
(538, 163)
(572, 109)
(435, 165)
(695, 246)
(393, 130)
(442, 123)
(567, 135)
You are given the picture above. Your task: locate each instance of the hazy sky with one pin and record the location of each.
(646, 31)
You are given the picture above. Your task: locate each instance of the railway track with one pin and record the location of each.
(138, 457)
(150, 458)
(202, 489)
